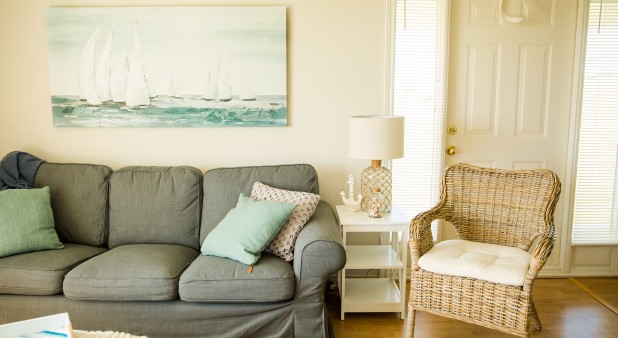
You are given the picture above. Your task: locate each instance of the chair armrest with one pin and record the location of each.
(541, 252)
(421, 238)
(319, 250)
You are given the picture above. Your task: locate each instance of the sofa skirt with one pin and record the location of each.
(166, 319)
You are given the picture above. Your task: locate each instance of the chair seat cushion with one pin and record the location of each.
(222, 280)
(131, 272)
(489, 262)
(42, 272)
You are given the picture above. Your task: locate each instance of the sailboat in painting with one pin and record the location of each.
(177, 79)
(247, 95)
(137, 89)
(212, 84)
(98, 82)
(104, 70)
(119, 77)
(223, 82)
(86, 77)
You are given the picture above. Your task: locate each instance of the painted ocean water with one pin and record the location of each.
(165, 111)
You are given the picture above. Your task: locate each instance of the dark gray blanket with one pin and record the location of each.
(18, 169)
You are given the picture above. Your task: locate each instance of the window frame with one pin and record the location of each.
(577, 93)
(390, 91)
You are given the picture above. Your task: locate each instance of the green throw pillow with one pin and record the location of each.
(247, 229)
(26, 222)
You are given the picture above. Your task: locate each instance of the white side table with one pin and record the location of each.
(384, 294)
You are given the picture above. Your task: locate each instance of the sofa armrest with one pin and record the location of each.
(318, 254)
(319, 250)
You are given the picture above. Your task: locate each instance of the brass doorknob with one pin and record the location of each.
(451, 150)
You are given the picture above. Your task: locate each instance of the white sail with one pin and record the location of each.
(149, 71)
(137, 90)
(212, 92)
(223, 82)
(87, 79)
(104, 70)
(119, 77)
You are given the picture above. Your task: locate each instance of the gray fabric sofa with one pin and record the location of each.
(131, 260)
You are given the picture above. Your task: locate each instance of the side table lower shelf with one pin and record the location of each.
(372, 295)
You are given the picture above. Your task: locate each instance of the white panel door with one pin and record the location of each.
(510, 86)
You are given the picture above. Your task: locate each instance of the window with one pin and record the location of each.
(419, 94)
(595, 211)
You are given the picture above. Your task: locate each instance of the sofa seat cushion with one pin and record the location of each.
(130, 273)
(222, 280)
(42, 272)
(489, 262)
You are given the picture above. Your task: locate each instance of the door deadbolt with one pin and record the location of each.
(451, 130)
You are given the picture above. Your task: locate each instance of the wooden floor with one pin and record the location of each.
(565, 310)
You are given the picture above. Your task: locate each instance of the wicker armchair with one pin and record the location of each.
(507, 208)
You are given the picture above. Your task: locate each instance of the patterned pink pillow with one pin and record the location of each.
(283, 243)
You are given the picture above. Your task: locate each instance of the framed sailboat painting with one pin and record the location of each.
(168, 66)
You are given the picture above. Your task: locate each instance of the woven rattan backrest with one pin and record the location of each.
(506, 207)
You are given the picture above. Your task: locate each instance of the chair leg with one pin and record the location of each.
(410, 322)
(534, 317)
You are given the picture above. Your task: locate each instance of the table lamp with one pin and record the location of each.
(376, 138)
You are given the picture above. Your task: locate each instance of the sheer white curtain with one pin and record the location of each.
(595, 212)
(420, 47)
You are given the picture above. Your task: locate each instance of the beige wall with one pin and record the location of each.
(336, 68)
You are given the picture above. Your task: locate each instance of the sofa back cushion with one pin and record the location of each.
(222, 187)
(79, 197)
(155, 205)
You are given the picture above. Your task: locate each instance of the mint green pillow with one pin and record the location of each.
(247, 229)
(26, 222)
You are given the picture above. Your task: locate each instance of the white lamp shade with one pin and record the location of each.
(376, 137)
